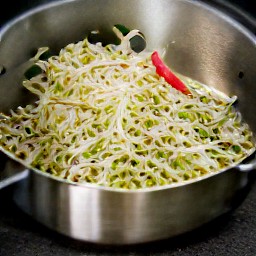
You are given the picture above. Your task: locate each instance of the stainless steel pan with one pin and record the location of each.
(203, 43)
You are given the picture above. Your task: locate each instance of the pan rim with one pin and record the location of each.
(202, 4)
(234, 167)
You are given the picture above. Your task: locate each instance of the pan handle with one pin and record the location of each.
(11, 171)
(7, 181)
(248, 166)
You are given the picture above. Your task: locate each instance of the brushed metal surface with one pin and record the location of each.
(109, 216)
(201, 42)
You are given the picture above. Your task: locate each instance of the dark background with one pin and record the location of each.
(231, 234)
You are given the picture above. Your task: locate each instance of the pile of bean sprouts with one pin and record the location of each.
(104, 116)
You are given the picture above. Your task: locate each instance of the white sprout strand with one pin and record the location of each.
(104, 116)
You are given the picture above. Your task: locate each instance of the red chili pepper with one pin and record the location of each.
(167, 74)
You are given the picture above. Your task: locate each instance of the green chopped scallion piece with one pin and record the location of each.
(33, 71)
